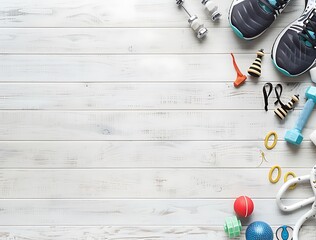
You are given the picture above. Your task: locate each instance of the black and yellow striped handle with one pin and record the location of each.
(255, 68)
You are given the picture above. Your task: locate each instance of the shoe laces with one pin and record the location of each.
(273, 7)
(308, 34)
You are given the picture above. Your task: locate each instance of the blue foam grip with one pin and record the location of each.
(306, 112)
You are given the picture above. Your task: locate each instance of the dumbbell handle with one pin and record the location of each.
(306, 112)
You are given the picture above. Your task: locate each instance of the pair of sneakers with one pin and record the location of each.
(294, 50)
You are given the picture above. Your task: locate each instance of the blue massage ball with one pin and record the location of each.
(259, 231)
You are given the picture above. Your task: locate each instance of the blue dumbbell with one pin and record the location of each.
(295, 135)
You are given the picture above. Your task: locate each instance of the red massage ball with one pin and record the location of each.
(243, 206)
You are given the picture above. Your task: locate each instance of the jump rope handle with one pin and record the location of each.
(297, 205)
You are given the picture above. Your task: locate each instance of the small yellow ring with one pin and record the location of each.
(278, 176)
(275, 140)
(292, 187)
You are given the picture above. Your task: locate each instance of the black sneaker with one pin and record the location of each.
(294, 50)
(250, 18)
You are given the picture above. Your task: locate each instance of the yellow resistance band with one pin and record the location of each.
(286, 178)
(275, 140)
(271, 173)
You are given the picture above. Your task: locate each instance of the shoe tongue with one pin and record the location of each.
(312, 33)
(266, 8)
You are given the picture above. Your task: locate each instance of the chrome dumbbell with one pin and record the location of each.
(212, 10)
(194, 22)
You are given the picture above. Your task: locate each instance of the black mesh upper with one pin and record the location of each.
(293, 55)
(250, 19)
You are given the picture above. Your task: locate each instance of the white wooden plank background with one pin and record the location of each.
(131, 68)
(145, 212)
(125, 13)
(127, 233)
(117, 123)
(138, 154)
(221, 125)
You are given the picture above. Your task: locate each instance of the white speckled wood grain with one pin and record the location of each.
(117, 123)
